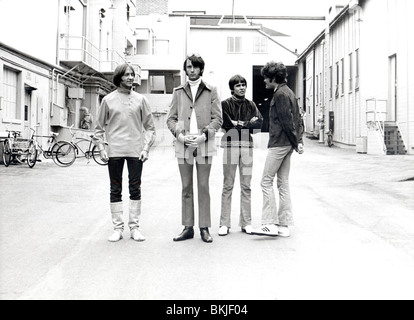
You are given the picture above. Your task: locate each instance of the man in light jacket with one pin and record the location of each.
(194, 118)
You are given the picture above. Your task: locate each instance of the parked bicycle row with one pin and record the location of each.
(18, 150)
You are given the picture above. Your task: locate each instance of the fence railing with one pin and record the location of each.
(81, 49)
(376, 114)
(376, 111)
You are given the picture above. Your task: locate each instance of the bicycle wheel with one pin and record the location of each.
(53, 151)
(7, 156)
(97, 156)
(330, 140)
(65, 155)
(31, 155)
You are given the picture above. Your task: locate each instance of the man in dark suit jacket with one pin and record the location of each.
(194, 118)
(285, 136)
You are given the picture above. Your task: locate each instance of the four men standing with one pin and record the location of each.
(195, 115)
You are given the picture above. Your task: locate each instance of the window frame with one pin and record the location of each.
(15, 114)
(232, 45)
(357, 69)
(351, 72)
(342, 76)
(260, 45)
(337, 81)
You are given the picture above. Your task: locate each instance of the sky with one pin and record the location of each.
(255, 7)
(31, 25)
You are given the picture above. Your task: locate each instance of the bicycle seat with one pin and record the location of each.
(54, 134)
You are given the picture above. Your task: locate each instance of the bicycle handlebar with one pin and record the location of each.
(14, 133)
(70, 129)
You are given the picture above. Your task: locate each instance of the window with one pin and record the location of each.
(321, 83)
(337, 80)
(330, 82)
(157, 84)
(27, 104)
(351, 73)
(10, 89)
(357, 69)
(342, 76)
(234, 45)
(260, 45)
(317, 89)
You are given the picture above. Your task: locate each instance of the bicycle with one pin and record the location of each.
(53, 145)
(67, 153)
(330, 137)
(20, 150)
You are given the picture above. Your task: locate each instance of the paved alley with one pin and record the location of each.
(353, 237)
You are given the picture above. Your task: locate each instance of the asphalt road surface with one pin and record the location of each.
(353, 236)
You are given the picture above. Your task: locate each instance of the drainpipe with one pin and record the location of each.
(58, 33)
(52, 98)
(323, 99)
(187, 35)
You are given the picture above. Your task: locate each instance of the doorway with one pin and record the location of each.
(27, 111)
(262, 96)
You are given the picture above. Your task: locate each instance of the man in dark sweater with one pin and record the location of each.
(240, 119)
(285, 136)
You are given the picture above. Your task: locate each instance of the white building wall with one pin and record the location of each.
(345, 100)
(174, 30)
(35, 77)
(401, 43)
(375, 31)
(374, 50)
(221, 66)
(43, 39)
(385, 31)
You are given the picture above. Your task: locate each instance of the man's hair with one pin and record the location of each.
(275, 70)
(196, 61)
(119, 73)
(236, 80)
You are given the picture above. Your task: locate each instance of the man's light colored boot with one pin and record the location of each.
(116, 212)
(134, 216)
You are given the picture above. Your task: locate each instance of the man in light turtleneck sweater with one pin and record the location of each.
(240, 119)
(125, 121)
(194, 118)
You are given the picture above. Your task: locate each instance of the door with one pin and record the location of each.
(310, 103)
(27, 117)
(392, 113)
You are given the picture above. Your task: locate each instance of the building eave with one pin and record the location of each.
(278, 43)
(319, 38)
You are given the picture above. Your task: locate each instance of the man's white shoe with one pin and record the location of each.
(284, 231)
(270, 230)
(224, 231)
(137, 235)
(115, 237)
(247, 229)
